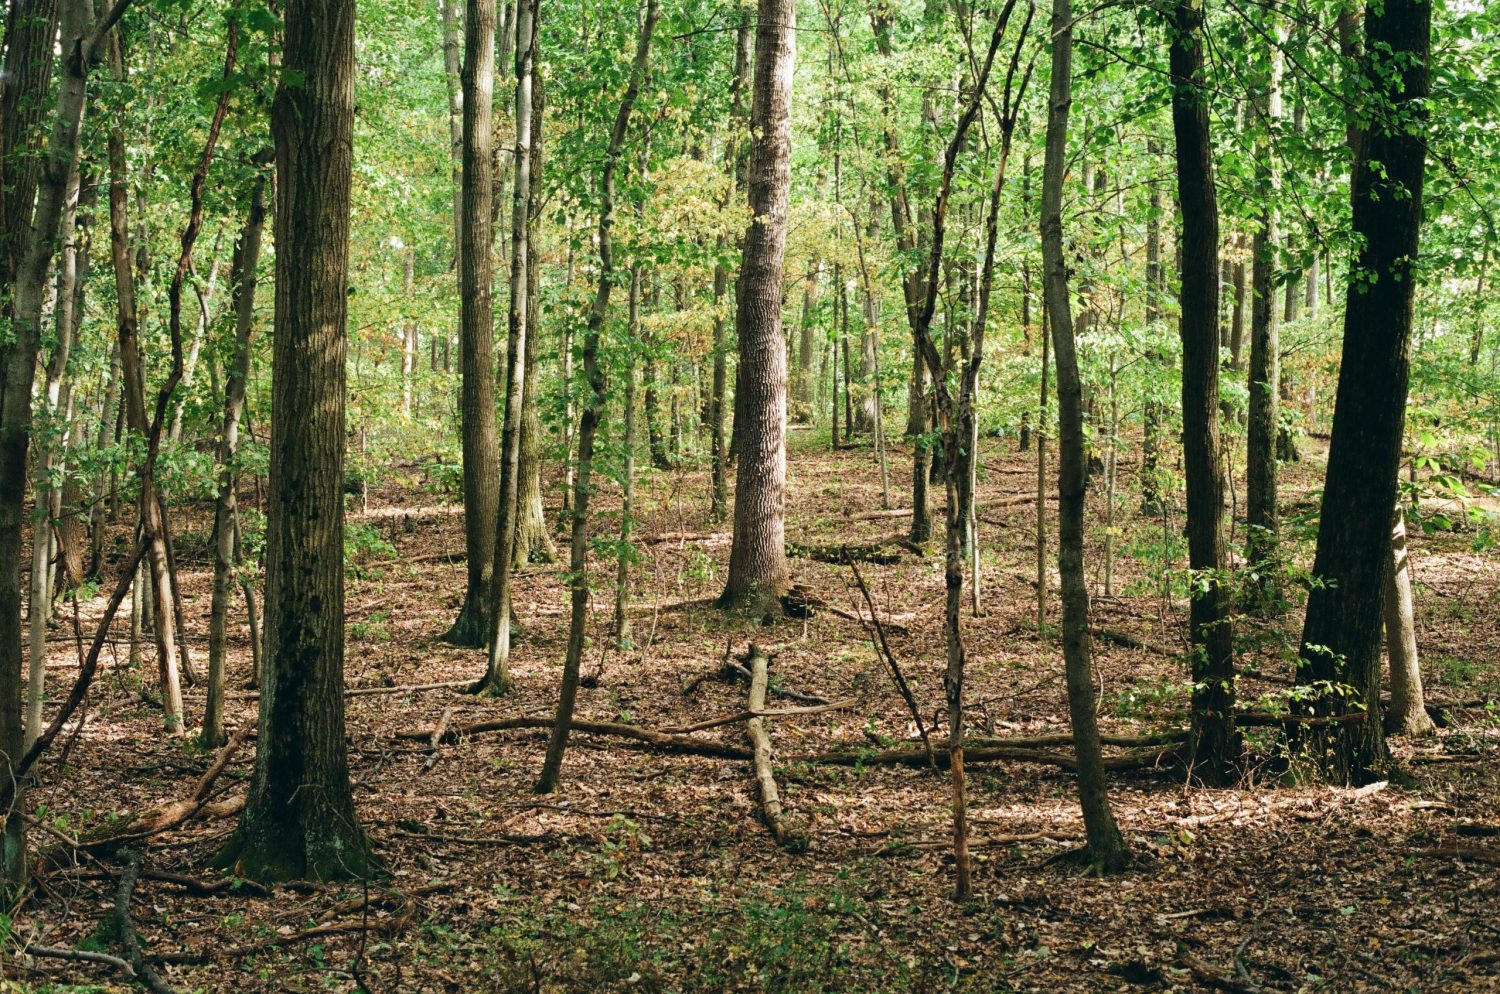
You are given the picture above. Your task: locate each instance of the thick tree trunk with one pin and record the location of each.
(757, 560)
(475, 623)
(299, 820)
(226, 558)
(1262, 520)
(1341, 636)
(1106, 847)
(593, 412)
(1216, 744)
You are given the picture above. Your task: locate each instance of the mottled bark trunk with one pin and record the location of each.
(1407, 716)
(299, 820)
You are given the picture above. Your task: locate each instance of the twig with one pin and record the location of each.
(890, 659)
(763, 713)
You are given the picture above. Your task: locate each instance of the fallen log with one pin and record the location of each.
(1141, 759)
(685, 744)
(1473, 854)
(125, 930)
(404, 688)
(760, 742)
(1129, 641)
(895, 512)
(751, 713)
(437, 738)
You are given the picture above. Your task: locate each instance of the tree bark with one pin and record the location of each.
(1216, 744)
(1341, 636)
(299, 820)
(475, 623)
(757, 560)
(1407, 716)
(1106, 847)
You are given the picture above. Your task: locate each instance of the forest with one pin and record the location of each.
(749, 495)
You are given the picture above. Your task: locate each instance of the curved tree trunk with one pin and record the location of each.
(757, 560)
(1407, 716)
(298, 820)
(1106, 847)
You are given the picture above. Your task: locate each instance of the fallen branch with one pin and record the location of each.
(125, 930)
(437, 738)
(1129, 641)
(685, 744)
(760, 741)
(890, 661)
(82, 956)
(737, 668)
(192, 885)
(750, 714)
(662, 537)
(1473, 854)
(1262, 719)
(896, 512)
(405, 688)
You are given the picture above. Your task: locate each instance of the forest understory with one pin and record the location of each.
(651, 870)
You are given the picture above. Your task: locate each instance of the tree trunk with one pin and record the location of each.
(1262, 520)
(757, 560)
(299, 820)
(1106, 847)
(1341, 636)
(1407, 716)
(594, 408)
(475, 623)
(518, 341)
(243, 278)
(627, 469)
(1216, 744)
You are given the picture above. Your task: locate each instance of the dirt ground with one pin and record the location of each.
(651, 872)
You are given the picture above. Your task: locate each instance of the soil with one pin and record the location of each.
(651, 871)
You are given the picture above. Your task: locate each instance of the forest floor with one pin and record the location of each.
(651, 871)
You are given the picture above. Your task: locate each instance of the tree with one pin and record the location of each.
(1105, 846)
(757, 559)
(1340, 650)
(1262, 520)
(481, 457)
(299, 819)
(1216, 745)
(593, 413)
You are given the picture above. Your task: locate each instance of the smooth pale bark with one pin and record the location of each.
(1407, 716)
(497, 678)
(481, 470)
(1215, 744)
(1262, 520)
(299, 820)
(1105, 845)
(757, 559)
(1341, 636)
(593, 412)
(627, 469)
(226, 558)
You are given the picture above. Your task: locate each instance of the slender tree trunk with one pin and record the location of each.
(1341, 636)
(518, 338)
(627, 470)
(475, 623)
(533, 541)
(1043, 426)
(757, 560)
(99, 510)
(1262, 520)
(299, 820)
(593, 412)
(1216, 744)
(1407, 716)
(226, 510)
(1106, 847)
(137, 418)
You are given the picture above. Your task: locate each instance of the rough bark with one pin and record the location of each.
(1341, 636)
(1216, 745)
(299, 819)
(474, 228)
(1106, 846)
(757, 560)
